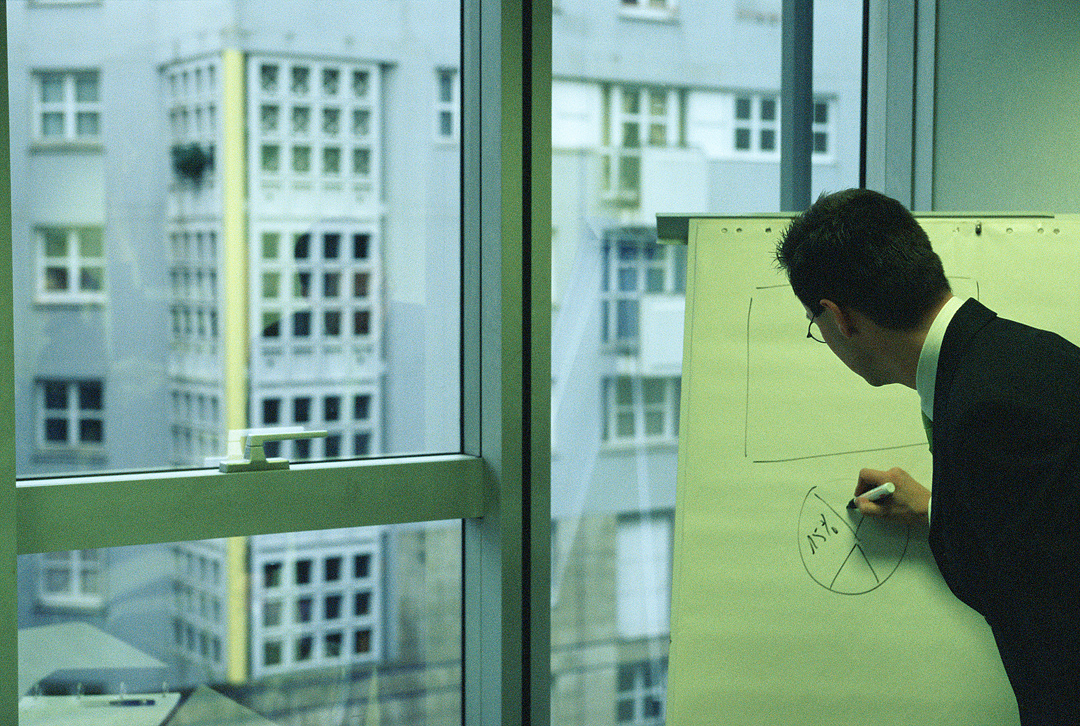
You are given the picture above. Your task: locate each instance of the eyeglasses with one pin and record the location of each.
(810, 327)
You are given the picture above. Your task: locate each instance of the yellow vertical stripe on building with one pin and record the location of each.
(237, 647)
(234, 331)
(235, 247)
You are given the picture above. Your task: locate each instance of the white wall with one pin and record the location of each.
(1007, 126)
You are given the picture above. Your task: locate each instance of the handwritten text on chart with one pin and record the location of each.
(845, 552)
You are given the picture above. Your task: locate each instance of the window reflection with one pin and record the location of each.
(286, 626)
(171, 173)
(658, 106)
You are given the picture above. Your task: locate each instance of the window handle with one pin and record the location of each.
(245, 448)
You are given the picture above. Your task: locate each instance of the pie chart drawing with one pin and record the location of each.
(846, 552)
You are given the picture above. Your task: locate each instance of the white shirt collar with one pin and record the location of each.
(926, 373)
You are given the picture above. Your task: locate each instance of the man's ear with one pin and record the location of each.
(844, 322)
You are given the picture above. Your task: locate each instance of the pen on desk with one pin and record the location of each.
(875, 494)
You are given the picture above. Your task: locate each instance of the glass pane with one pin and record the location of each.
(86, 87)
(90, 243)
(52, 124)
(87, 123)
(614, 464)
(768, 109)
(55, 243)
(329, 208)
(354, 625)
(52, 87)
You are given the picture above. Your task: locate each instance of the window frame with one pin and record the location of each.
(615, 409)
(76, 596)
(447, 107)
(73, 414)
(72, 262)
(69, 108)
(506, 81)
(621, 173)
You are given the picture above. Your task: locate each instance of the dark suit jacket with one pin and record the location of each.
(1005, 530)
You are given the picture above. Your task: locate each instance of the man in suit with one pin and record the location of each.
(1001, 402)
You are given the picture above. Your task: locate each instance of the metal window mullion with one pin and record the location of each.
(900, 100)
(8, 603)
(106, 511)
(796, 104)
(506, 226)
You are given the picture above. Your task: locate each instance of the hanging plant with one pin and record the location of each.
(190, 161)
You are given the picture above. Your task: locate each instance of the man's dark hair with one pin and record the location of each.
(865, 251)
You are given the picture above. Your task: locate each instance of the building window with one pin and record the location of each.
(822, 130)
(199, 593)
(319, 287)
(326, 605)
(447, 104)
(72, 414)
(635, 265)
(641, 690)
(757, 126)
(71, 265)
(323, 408)
(643, 575)
(67, 106)
(72, 579)
(636, 117)
(641, 410)
(314, 121)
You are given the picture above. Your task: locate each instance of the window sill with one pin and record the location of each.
(66, 146)
(761, 158)
(71, 301)
(650, 15)
(621, 446)
(83, 457)
(71, 603)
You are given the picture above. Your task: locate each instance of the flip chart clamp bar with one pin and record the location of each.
(245, 448)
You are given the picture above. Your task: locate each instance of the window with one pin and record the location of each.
(324, 598)
(635, 266)
(71, 579)
(822, 130)
(71, 265)
(71, 415)
(316, 122)
(319, 308)
(641, 693)
(757, 125)
(710, 144)
(643, 574)
(641, 410)
(67, 106)
(313, 165)
(637, 117)
(447, 104)
(199, 591)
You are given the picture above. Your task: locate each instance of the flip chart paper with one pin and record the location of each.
(786, 606)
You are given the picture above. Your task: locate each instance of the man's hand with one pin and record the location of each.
(908, 503)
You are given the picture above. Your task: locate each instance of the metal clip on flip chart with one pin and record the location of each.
(245, 450)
